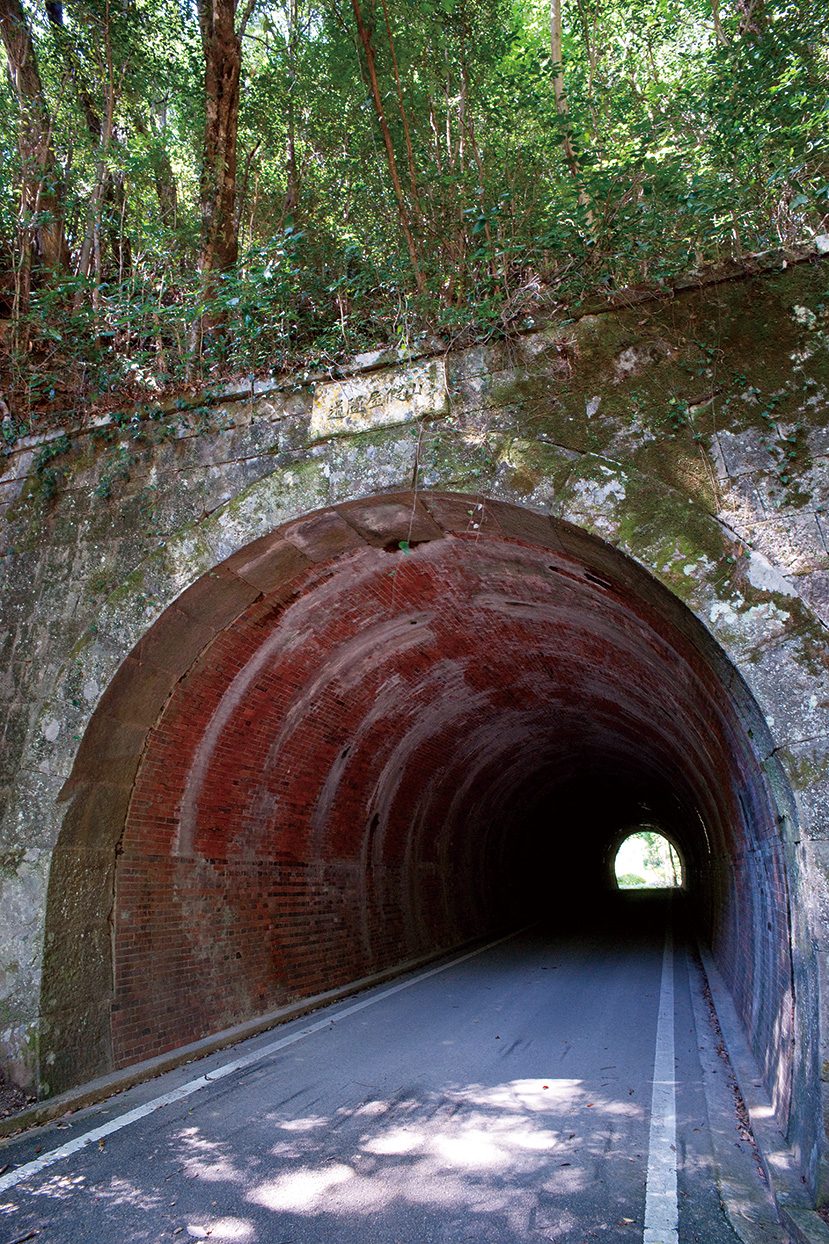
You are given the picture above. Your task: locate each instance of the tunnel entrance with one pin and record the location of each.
(386, 729)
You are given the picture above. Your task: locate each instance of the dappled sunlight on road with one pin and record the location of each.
(507, 1151)
(205, 1159)
(126, 1192)
(304, 1191)
(492, 1162)
(489, 1163)
(57, 1187)
(224, 1229)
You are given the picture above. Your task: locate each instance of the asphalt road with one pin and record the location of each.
(506, 1098)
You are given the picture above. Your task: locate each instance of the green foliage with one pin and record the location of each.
(695, 143)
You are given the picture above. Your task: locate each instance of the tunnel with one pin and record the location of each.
(380, 732)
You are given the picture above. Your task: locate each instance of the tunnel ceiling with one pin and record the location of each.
(429, 685)
(401, 705)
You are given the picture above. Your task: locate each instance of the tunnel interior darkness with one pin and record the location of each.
(417, 721)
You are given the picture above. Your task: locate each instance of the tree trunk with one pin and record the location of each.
(163, 176)
(90, 256)
(219, 245)
(222, 48)
(752, 17)
(54, 11)
(563, 110)
(41, 207)
(368, 49)
(401, 108)
(291, 172)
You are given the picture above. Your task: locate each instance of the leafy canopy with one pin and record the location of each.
(691, 132)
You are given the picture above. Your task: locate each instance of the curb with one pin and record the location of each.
(805, 1225)
(796, 1215)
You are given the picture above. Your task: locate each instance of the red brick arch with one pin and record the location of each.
(370, 736)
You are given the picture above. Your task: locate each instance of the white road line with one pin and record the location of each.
(21, 1173)
(661, 1206)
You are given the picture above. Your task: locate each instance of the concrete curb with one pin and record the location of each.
(119, 1081)
(796, 1215)
(745, 1195)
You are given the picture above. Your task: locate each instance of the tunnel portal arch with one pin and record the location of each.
(352, 744)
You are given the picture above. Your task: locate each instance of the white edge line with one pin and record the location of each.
(661, 1203)
(21, 1173)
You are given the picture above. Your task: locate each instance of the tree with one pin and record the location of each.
(221, 37)
(41, 217)
(563, 111)
(342, 175)
(403, 213)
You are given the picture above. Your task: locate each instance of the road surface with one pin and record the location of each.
(521, 1093)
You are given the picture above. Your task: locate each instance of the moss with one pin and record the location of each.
(530, 464)
(670, 532)
(548, 408)
(10, 862)
(128, 588)
(662, 516)
(447, 457)
(99, 582)
(804, 771)
(305, 480)
(128, 591)
(683, 464)
(812, 649)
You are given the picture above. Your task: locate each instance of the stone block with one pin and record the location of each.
(814, 589)
(268, 563)
(216, 599)
(790, 682)
(463, 515)
(379, 399)
(31, 820)
(93, 810)
(806, 766)
(387, 521)
(322, 536)
(793, 543)
(110, 751)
